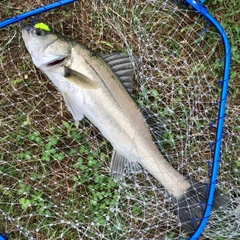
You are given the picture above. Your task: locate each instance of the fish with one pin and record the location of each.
(99, 87)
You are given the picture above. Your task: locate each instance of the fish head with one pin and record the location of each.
(48, 50)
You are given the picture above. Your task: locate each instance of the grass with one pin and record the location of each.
(55, 180)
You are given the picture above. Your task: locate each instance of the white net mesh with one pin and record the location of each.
(55, 180)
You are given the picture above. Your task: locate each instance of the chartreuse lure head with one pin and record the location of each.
(42, 26)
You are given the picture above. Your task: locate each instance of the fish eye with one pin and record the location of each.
(39, 32)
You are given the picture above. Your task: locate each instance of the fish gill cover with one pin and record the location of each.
(55, 178)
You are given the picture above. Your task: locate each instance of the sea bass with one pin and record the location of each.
(98, 87)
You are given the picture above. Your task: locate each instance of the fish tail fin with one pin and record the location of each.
(191, 205)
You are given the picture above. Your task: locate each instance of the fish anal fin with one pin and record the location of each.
(79, 79)
(120, 164)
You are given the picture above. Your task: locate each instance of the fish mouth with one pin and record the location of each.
(56, 62)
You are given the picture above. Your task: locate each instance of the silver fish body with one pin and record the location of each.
(107, 104)
(91, 88)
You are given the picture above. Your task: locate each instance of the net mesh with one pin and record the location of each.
(55, 178)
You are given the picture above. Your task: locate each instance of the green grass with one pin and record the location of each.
(97, 191)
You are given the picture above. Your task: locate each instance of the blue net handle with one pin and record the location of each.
(3, 237)
(221, 114)
(36, 11)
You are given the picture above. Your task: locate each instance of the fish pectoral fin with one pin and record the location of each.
(79, 79)
(73, 107)
(119, 164)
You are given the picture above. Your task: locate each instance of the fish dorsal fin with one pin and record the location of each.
(73, 107)
(157, 126)
(79, 78)
(119, 164)
(123, 67)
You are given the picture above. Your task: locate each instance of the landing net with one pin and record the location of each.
(55, 178)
